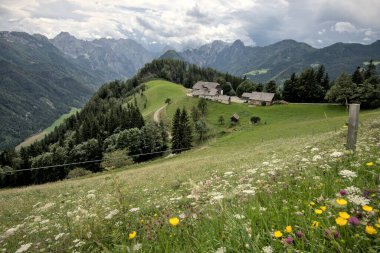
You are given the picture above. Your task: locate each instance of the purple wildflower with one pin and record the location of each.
(343, 192)
(289, 240)
(354, 221)
(299, 234)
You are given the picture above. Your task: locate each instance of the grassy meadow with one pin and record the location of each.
(285, 185)
(48, 130)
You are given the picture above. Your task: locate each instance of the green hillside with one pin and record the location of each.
(230, 194)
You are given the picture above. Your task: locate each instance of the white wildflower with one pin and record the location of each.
(249, 192)
(57, 237)
(46, 207)
(44, 221)
(348, 174)
(262, 209)
(218, 197)
(91, 196)
(79, 244)
(111, 214)
(239, 216)
(182, 216)
(10, 232)
(314, 150)
(353, 190)
(358, 200)
(135, 209)
(91, 191)
(24, 248)
(228, 173)
(266, 163)
(336, 154)
(221, 250)
(137, 247)
(316, 158)
(267, 249)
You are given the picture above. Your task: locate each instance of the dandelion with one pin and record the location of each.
(367, 208)
(370, 230)
(288, 229)
(340, 221)
(174, 221)
(318, 211)
(341, 202)
(369, 164)
(323, 208)
(132, 235)
(344, 215)
(315, 224)
(354, 221)
(277, 234)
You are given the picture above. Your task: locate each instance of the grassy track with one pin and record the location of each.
(220, 190)
(48, 130)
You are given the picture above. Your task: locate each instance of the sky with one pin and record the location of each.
(189, 24)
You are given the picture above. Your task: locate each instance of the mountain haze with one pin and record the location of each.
(107, 58)
(278, 61)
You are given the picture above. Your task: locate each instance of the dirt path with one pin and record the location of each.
(156, 116)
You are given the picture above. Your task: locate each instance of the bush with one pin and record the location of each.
(116, 159)
(255, 119)
(78, 172)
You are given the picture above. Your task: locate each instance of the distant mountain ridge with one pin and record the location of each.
(42, 79)
(108, 58)
(278, 61)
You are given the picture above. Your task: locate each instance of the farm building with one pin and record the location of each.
(235, 118)
(211, 91)
(206, 90)
(258, 98)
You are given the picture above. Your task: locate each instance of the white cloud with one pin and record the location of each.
(342, 27)
(192, 23)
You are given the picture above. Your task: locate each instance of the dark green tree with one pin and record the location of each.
(202, 106)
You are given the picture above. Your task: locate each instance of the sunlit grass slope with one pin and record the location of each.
(230, 193)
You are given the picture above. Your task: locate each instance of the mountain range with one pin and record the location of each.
(277, 61)
(43, 78)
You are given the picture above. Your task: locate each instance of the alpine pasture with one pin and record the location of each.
(286, 184)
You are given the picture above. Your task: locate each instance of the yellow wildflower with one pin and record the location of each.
(370, 230)
(318, 211)
(288, 229)
(315, 224)
(277, 234)
(340, 221)
(377, 225)
(174, 221)
(369, 164)
(323, 208)
(367, 208)
(344, 215)
(132, 235)
(311, 203)
(341, 202)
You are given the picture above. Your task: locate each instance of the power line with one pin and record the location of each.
(90, 161)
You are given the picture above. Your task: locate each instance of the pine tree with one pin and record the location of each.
(187, 134)
(357, 76)
(176, 131)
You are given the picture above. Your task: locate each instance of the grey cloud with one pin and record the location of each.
(58, 10)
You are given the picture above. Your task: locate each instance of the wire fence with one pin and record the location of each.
(94, 161)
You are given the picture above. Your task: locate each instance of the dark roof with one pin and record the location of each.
(259, 96)
(209, 85)
(235, 116)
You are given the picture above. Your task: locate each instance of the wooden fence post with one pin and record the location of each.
(353, 124)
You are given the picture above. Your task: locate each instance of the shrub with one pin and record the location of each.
(255, 119)
(116, 159)
(78, 172)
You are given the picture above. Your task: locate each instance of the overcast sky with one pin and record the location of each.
(192, 23)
